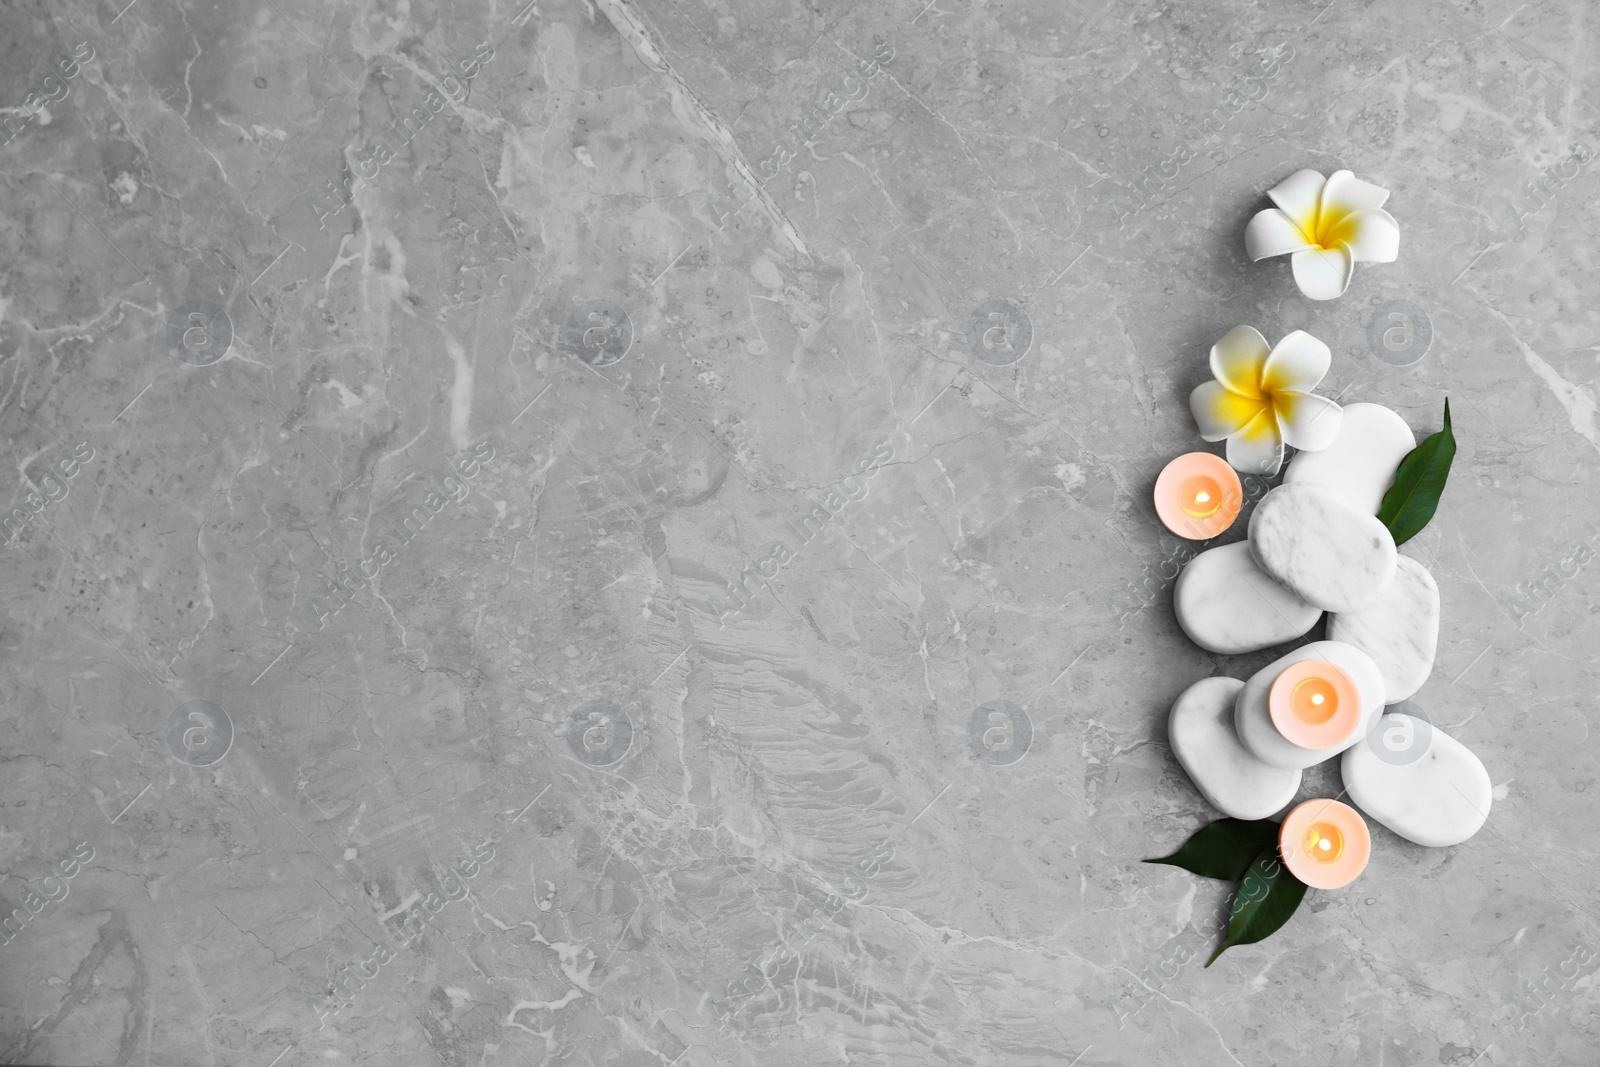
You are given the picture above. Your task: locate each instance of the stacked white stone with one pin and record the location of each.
(1226, 773)
(1320, 548)
(1253, 721)
(1359, 466)
(1228, 604)
(1399, 630)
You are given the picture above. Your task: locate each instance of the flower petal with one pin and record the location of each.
(1323, 273)
(1272, 233)
(1237, 360)
(1297, 364)
(1220, 412)
(1299, 195)
(1372, 234)
(1345, 193)
(1307, 421)
(1258, 448)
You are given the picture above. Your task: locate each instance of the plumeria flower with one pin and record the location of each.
(1326, 226)
(1261, 398)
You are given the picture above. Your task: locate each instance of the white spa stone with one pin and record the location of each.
(1323, 550)
(1359, 466)
(1230, 778)
(1226, 603)
(1399, 630)
(1252, 719)
(1436, 792)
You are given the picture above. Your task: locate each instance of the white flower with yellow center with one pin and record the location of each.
(1261, 398)
(1326, 226)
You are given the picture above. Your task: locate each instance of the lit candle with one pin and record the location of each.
(1324, 843)
(1198, 496)
(1314, 704)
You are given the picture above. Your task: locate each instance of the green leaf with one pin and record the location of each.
(1268, 895)
(1418, 483)
(1224, 849)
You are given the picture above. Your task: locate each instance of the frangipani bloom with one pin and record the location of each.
(1326, 227)
(1261, 398)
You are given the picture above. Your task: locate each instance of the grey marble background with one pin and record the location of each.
(397, 661)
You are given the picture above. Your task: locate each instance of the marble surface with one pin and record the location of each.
(619, 533)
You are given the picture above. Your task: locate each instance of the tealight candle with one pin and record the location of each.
(1198, 496)
(1314, 704)
(1324, 843)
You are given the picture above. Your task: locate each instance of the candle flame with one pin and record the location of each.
(1324, 843)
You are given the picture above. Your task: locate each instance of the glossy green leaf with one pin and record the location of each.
(1267, 896)
(1224, 849)
(1418, 484)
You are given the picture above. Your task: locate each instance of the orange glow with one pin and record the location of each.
(1314, 701)
(1200, 496)
(1324, 843)
(1314, 704)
